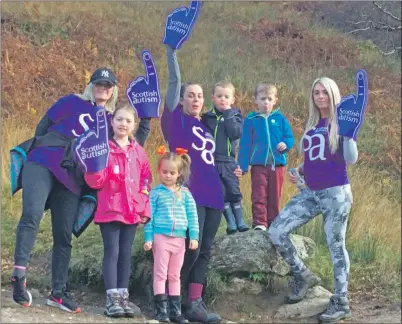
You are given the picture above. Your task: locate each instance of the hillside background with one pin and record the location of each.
(50, 49)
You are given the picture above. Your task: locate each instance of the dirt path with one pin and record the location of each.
(247, 310)
(39, 312)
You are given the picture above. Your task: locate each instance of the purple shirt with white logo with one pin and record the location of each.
(184, 131)
(322, 169)
(71, 116)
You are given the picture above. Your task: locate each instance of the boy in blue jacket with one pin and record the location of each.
(266, 139)
(226, 124)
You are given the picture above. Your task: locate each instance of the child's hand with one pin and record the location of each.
(281, 146)
(238, 172)
(147, 246)
(143, 219)
(193, 245)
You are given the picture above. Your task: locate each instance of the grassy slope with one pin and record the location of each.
(58, 45)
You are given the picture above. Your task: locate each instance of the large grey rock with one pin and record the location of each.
(314, 303)
(238, 285)
(252, 252)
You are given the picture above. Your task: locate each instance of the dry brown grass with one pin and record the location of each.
(49, 50)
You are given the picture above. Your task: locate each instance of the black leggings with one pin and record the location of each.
(117, 242)
(196, 261)
(41, 188)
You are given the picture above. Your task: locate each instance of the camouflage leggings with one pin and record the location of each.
(335, 204)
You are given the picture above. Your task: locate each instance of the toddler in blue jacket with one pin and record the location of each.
(265, 141)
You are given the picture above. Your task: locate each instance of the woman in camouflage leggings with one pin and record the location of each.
(326, 191)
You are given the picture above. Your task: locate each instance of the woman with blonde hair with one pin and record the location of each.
(324, 190)
(50, 178)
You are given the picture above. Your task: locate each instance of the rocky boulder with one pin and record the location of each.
(252, 252)
(314, 303)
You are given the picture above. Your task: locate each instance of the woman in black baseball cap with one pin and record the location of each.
(50, 179)
(102, 89)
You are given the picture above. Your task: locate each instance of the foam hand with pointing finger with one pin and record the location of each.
(180, 23)
(92, 147)
(143, 93)
(350, 111)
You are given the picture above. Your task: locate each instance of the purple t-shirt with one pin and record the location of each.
(71, 116)
(322, 169)
(184, 131)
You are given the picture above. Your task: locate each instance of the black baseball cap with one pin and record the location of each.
(103, 75)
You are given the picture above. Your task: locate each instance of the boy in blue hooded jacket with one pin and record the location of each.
(266, 139)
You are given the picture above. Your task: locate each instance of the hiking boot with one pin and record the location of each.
(125, 304)
(175, 314)
(113, 308)
(337, 309)
(302, 282)
(230, 220)
(20, 293)
(60, 300)
(238, 215)
(196, 311)
(161, 303)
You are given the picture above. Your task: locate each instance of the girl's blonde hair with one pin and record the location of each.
(183, 163)
(89, 95)
(314, 113)
(126, 107)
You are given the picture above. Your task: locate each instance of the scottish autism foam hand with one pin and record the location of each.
(180, 23)
(143, 93)
(92, 147)
(351, 109)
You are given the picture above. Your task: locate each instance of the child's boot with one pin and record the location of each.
(230, 219)
(113, 308)
(125, 304)
(337, 309)
(238, 214)
(161, 303)
(302, 282)
(175, 314)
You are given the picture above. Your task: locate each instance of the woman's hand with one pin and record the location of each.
(292, 177)
(193, 245)
(147, 246)
(238, 172)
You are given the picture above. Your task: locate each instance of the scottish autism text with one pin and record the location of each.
(351, 116)
(94, 151)
(144, 97)
(178, 27)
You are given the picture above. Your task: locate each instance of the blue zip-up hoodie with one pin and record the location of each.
(172, 216)
(261, 135)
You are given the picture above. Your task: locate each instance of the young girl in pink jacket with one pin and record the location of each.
(122, 204)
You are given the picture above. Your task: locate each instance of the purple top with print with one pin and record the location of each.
(184, 131)
(71, 116)
(322, 169)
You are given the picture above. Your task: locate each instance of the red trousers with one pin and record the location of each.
(266, 192)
